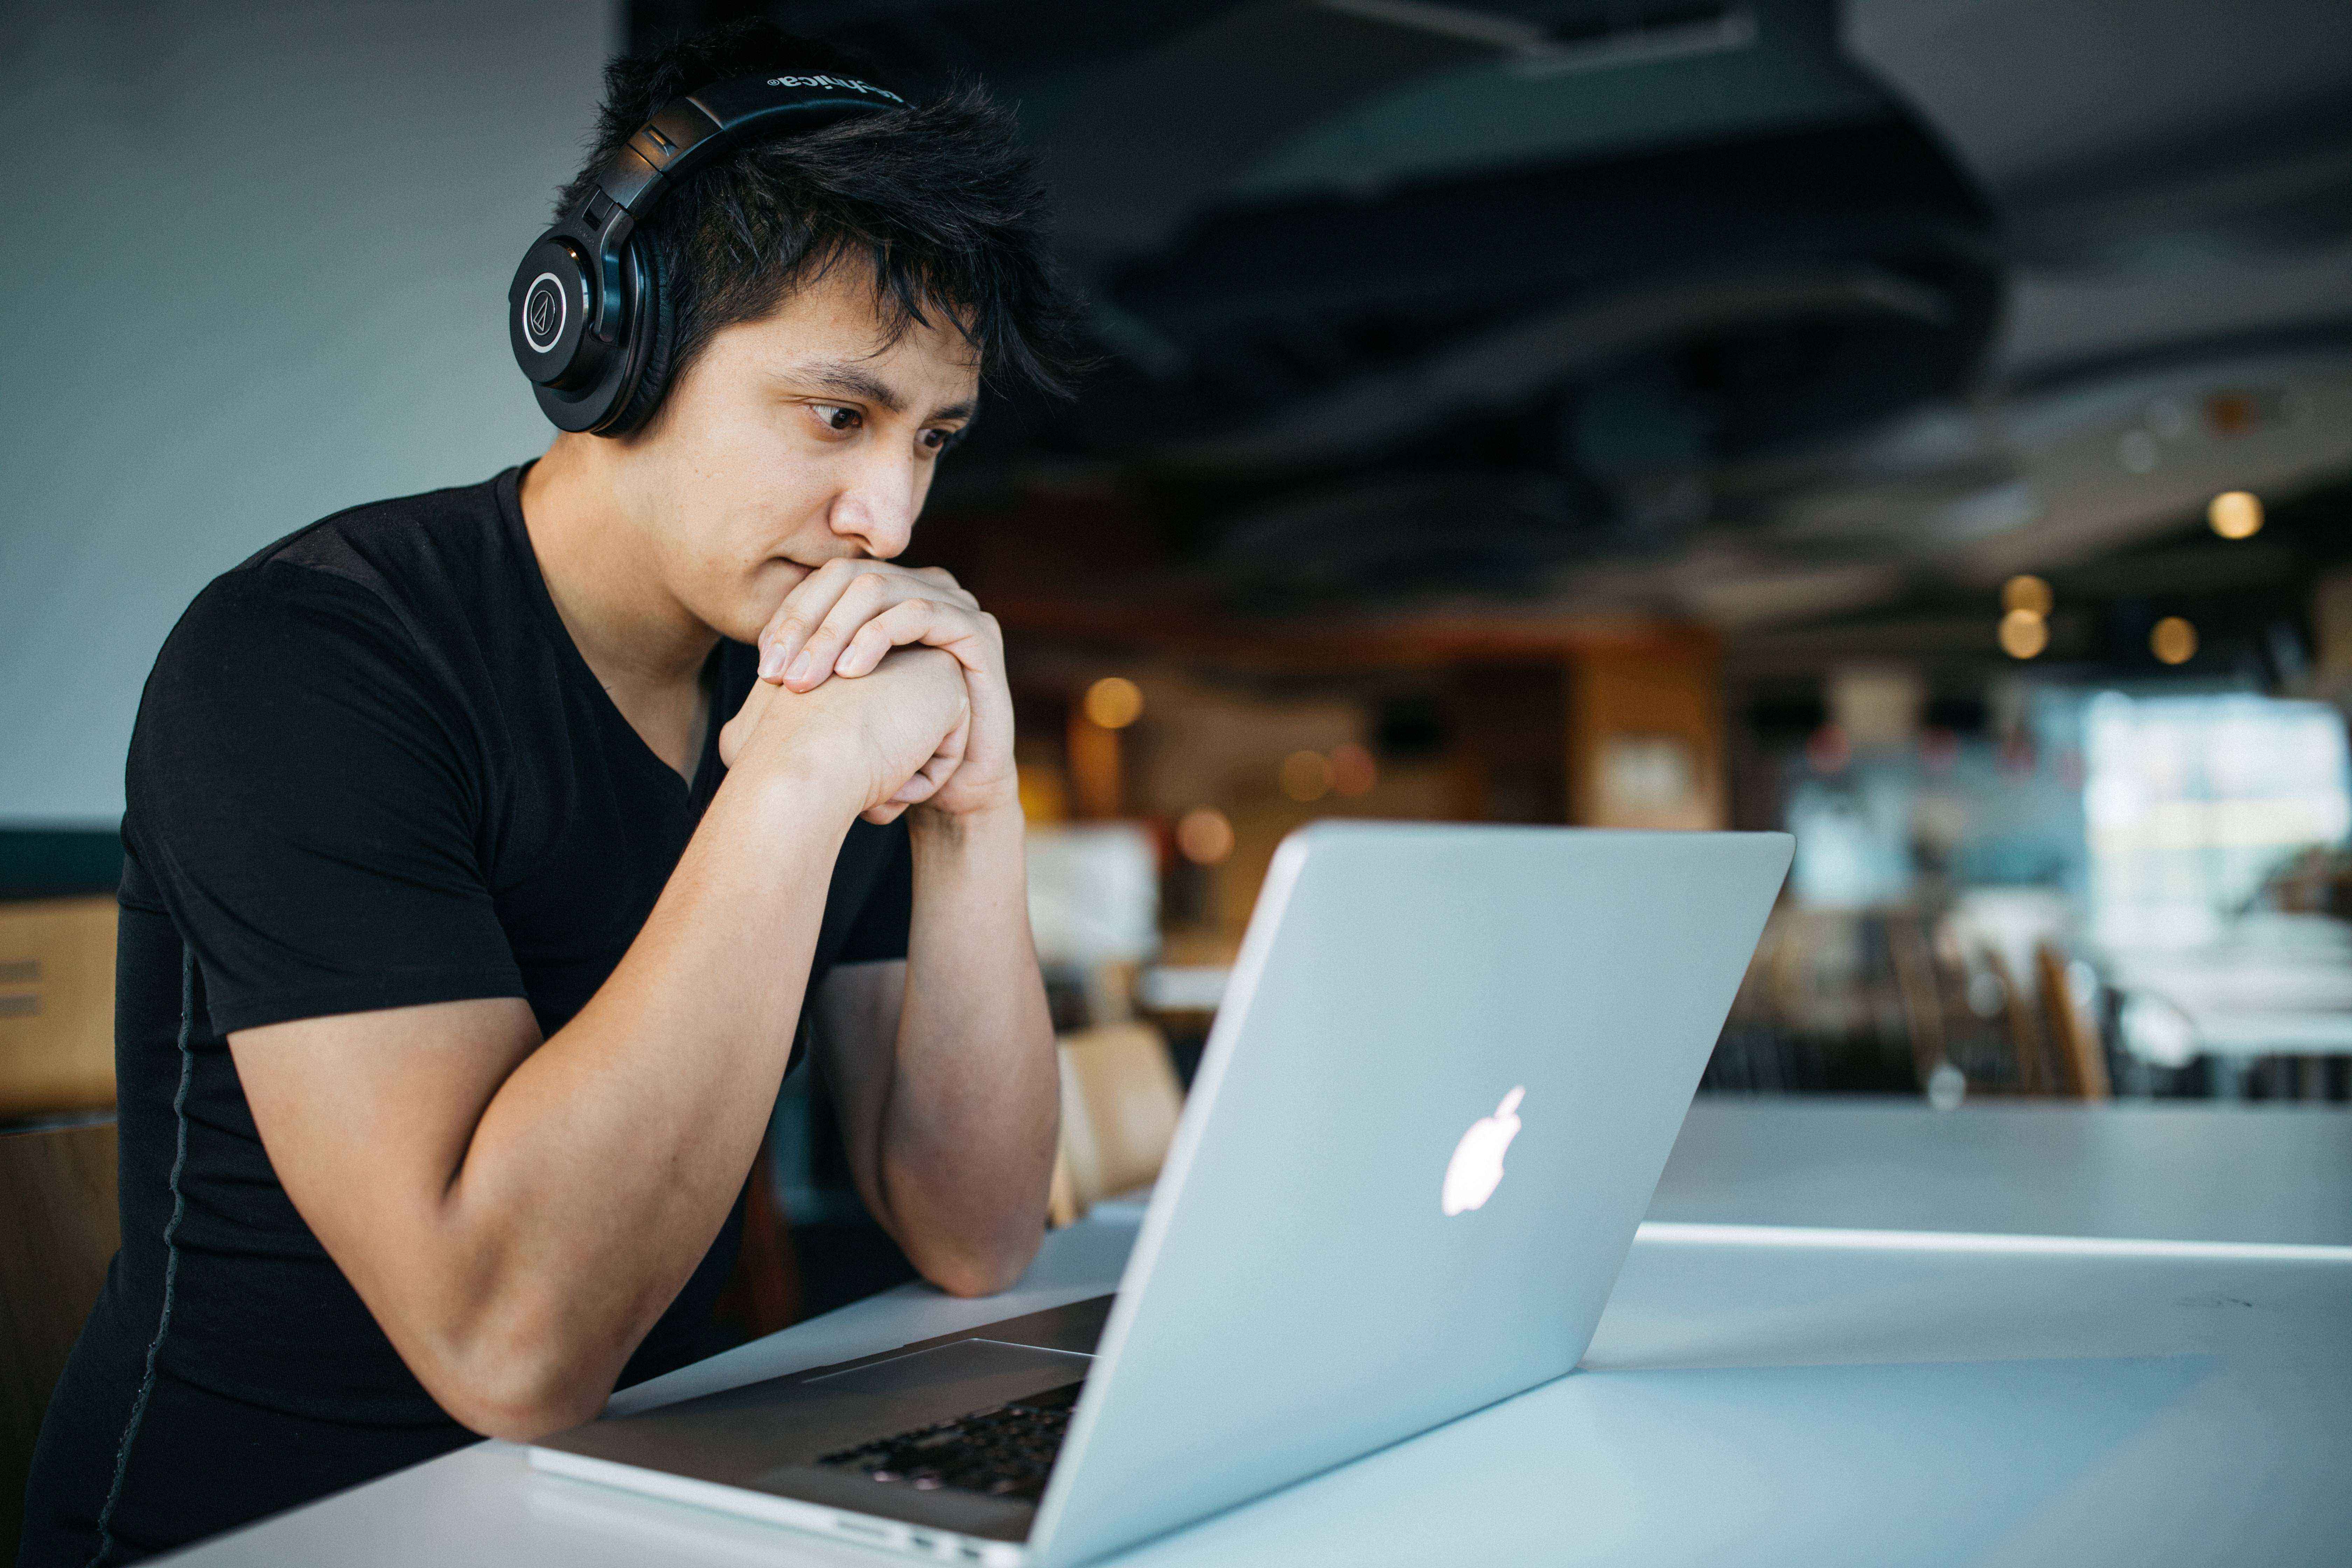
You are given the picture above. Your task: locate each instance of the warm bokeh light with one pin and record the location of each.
(2174, 640)
(1044, 797)
(2236, 515)
(1353, 771)
(1306, 776)
(1204, 836)
(2023, 633)
(2026, 592)
(1114, 702)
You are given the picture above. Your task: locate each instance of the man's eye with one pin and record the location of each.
(837, 417)
(940, 440)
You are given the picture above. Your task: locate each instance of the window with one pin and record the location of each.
(2192, 801)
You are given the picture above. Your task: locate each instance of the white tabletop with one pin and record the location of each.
(2180, 1170)
(1752, 1395)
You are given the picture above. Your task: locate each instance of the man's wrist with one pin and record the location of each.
(805, 789)
(999, 820)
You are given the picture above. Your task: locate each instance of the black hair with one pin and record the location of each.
(939, 199)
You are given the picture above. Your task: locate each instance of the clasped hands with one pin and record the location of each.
(934, 726)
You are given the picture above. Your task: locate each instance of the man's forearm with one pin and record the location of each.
(608, 1160)
(517, 1212)
(967, 1128)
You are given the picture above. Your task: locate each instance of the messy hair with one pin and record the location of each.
(938, 199)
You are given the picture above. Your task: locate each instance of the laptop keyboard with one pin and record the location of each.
(1007, 1451)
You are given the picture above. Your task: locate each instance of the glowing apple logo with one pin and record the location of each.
(1476, 1168)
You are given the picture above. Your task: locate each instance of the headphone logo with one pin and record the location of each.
(542, 313)
(849, 83)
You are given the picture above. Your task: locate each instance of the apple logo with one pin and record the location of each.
(1476, 1168)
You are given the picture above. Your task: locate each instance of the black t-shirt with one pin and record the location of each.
(370, 770)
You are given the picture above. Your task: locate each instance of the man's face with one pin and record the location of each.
(794, 440)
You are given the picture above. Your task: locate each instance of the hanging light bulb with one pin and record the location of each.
(2026, 592)
(1114, 702)
(2173, 640)
(2236, 515)
(2023, 633)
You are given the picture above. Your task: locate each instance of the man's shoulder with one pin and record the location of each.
(388, 546)
(411, 567)
(369, 581)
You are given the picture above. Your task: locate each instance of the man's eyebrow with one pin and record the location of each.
(851, 381)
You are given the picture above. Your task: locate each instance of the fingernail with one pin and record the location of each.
(772, 662)
(802, 667)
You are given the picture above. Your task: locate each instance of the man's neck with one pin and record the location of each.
(599, 571)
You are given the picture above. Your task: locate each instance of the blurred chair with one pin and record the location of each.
(1110, 990)
(1995, 1043)
(1922, 997)
(57, 1006)
(1120, 1102)
(58, 1228)
(2020, 1030)
(2077, 1052)
(1760, 1049)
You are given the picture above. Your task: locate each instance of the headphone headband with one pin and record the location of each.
(585, 311)
(689, 132)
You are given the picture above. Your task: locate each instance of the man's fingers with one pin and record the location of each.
(822, 610)
(916, 790)
(928, 780)
(804, 609)
(901, 623)
(950, 754)
(940, 577)
(933, 775)
(909, 622)
(923, 784)
(867, 595)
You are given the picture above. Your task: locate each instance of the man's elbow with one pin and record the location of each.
(518, 1396)
(973, 1272)
(521, 1416)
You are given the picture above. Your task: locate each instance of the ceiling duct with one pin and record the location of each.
(1580, 40)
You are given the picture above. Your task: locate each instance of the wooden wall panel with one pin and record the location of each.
(1645, 734)
(57, 1006)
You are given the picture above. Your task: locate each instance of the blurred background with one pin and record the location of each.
(1923, 426)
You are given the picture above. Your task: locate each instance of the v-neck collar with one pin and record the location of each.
(704, 783)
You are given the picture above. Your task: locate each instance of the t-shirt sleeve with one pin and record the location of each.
(879, 932)
(299, 790)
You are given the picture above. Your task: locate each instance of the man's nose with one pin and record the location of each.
(877, 509)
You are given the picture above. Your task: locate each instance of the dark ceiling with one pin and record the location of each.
(1401, 298)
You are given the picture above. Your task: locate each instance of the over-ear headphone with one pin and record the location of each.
(587, 313)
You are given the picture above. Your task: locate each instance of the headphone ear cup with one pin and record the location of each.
(548, 306)
(643, 396)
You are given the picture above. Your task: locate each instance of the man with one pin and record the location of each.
(486, 849)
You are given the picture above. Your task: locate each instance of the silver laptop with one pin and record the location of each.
(1447, 1076)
